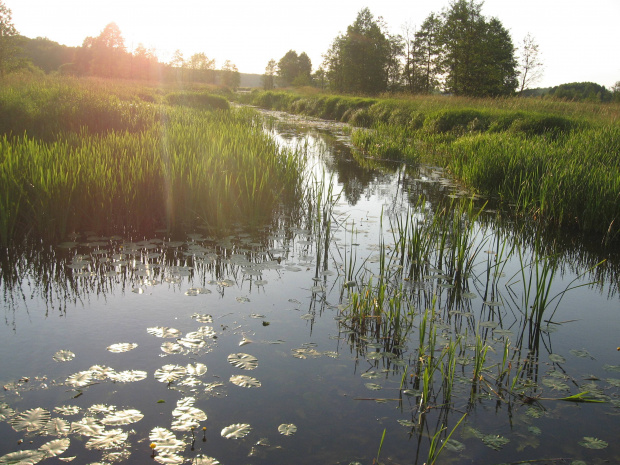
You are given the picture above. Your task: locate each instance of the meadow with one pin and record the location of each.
(118, 157)
(554, 161)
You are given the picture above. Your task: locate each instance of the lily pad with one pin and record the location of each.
(197, 369)
(5, 411)
(204, 460)
(287, 429)
(23, 457)
(63, 356)
(81, 379)
(67, 410)
(88, 426)
(555, 358)
(55, 447)
(109, 439)
(169, 373)
(593, 443)
(57, 427)
(454, 445)
(121, 347)
(31, 420)
(165, 440)
(236, 431)
(163, 331)
(123, 417)
(245, 381)
(243, 361)
(494, 441)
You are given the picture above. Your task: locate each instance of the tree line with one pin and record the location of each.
(458, 51)
(106, 56)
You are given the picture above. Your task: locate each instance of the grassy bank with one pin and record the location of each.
(553, 160)
(86, 155)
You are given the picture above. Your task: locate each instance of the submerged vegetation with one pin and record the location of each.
(78, 156)
(556, 162)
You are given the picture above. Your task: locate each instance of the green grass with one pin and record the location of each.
(554, 161)
(76, 157)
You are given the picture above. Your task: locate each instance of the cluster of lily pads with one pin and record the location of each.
(101, 425)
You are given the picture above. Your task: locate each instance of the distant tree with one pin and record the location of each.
(426, 56)
(144, 63)
(581, 91)
(394, 66)
(615, 90)
(8, 35)
(294, 69)
(230, 75)
(177, 62)
(303, 76)
(319, 78)
(478, 55)
(359, 60)
(202, 68)
(269, 76)
(104, 55)
(531, 67)
(46, 54)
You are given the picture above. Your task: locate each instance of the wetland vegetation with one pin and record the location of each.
(312, 298)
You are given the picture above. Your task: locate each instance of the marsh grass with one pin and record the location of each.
(557, 162)
(78, 158)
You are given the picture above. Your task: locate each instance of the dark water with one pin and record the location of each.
(260, 292)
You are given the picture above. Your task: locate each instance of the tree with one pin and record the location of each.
(202, 69)
(530, 65)
(104, 55)
(426, 55)
(478, 55)
(230, 75)
(359, 60)
(294, 69)
(8, 34)
(269, 76)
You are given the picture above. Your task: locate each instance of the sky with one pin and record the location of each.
(579, 40)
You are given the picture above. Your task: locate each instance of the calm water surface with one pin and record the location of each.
(259, 292)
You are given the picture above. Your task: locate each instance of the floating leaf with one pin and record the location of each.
(123, 417)
(57, 427)
(163, 331)
(31, 420)
(165, 440)
(534, 430)
(88, 426)
(454, 445)
(63, 356)
(23, 457)
(121, 347)
(245, 381)
(5, 411)
(56, 447)
(243, 361)
(555, 384)
(613, 381)
(197, 369)
(287, 429)
(236, 431)
(129, 376)
(583, 353)
(204, 460)
(373, 386)
(495, 442)
(407, 423)
(67, 410)
(107, 439)
(202, 317)
(169, 459)
(555, 358)
(593, 443)
(101, 372)
(171, 348)
(81, 379)
(169, 373)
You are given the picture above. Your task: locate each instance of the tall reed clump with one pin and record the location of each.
(156, 166)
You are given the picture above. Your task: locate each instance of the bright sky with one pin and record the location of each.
(579, 40)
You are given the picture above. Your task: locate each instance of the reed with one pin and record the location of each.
(134, 166)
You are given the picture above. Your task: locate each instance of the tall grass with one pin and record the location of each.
(133, 166)
(557, 162)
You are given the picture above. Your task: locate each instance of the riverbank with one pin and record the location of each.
(555, 161)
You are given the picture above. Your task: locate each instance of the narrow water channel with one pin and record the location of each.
(248, 348)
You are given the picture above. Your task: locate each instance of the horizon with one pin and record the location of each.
(253, 33)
